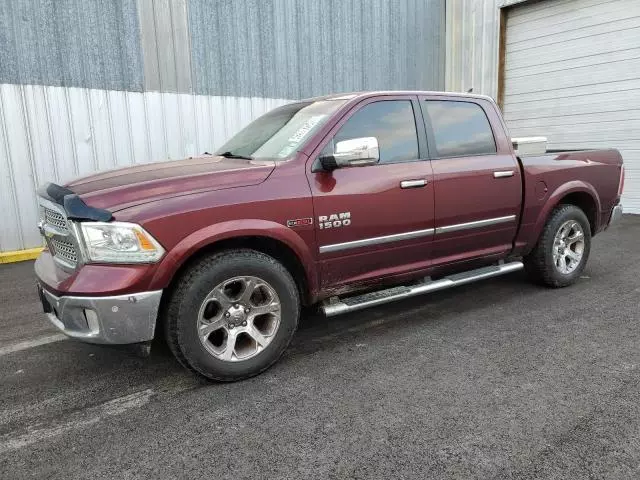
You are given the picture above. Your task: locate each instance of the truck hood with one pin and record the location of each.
(118, 189)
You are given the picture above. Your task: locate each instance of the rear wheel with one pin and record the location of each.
(562, 251)
(232, 315)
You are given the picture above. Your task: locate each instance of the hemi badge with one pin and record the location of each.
(300, 222)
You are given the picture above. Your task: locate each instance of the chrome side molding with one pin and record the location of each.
(477, 224)
(365, 242)
(336, 306)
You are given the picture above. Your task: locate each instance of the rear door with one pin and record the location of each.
(477, 180)
(376, 220)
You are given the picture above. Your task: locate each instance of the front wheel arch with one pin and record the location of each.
(183, 313)
(267, 245)
(271, 238)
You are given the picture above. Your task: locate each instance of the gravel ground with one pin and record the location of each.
(499, 379)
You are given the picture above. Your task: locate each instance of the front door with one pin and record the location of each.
(477, 181)
(375, 221)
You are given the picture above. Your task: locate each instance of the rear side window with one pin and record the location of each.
(460, 128)
(391, 122)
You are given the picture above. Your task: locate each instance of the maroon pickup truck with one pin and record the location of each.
(344, 201)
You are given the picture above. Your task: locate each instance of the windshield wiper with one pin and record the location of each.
(233, 155)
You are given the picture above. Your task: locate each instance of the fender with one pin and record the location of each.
(211, 234)
(575, 186)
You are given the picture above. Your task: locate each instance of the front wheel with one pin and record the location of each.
(563, 248)
(232, 315)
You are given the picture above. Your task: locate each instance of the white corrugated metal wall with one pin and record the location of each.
(472, 43)
(572, 71)
(79, 77)
(56, 134)
(572, 74)
(88, 85)
(472, 30)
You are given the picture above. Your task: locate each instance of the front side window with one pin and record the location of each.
(282, 131)
(391, 122)
(460, 128)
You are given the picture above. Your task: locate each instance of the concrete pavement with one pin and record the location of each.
(499, 379)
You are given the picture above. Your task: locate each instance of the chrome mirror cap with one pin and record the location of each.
(355, 152)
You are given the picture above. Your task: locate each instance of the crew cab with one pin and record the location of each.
(343, 201)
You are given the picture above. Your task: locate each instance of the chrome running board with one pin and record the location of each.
(337, 306)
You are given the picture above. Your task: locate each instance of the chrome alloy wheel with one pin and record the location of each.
(568, 247)
(239, 318)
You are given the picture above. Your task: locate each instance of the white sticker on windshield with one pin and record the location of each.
(305, 129)
(286, 151)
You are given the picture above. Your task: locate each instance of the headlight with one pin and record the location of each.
(119, 242)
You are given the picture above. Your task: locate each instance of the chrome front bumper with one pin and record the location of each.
(616, 214)
(110, 320)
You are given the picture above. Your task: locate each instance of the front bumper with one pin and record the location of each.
(111, 320)
(616, 214)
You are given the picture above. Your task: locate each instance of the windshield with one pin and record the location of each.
(280, 132)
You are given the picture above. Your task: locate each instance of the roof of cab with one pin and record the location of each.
(354, 95)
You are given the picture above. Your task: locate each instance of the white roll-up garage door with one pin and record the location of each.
(572, 74)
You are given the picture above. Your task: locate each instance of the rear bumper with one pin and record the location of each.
(111, 320)
(616, 214)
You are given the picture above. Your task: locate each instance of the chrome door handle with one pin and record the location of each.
(412, 183)
(503, 174)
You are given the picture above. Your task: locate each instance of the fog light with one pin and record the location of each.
(92, 320)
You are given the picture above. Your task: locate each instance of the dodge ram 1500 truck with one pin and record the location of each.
(344, 201)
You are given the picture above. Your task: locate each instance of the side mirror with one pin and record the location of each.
(355, 152)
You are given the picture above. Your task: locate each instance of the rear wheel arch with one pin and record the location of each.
(585, 202)
(565, 239)
(577, 193)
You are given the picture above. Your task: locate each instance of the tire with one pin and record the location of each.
(250, 303)
(561, 253)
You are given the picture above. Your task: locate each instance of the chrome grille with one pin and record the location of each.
(64, 249)
(58, 234)
(54, 218)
